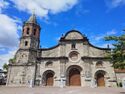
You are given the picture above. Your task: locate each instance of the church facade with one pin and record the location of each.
(74, 61)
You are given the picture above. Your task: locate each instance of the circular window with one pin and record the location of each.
(74, 56)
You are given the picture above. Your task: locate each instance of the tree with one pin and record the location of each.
(118, 53)
(12, 60)
(5, 66)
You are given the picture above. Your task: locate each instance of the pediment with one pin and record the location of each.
(73, 34)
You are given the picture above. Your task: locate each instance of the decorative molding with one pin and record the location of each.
(22, 65)
(86, 57)
(44, 49)
(50, 58)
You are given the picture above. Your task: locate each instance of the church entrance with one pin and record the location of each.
(74, 77)
(49, 79)
(100, 79)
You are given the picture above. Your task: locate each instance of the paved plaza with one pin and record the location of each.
(56, 90)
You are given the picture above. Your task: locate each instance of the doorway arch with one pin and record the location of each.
(48, 78)
(100, 78)
(73, 76)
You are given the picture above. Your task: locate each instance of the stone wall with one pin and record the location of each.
(51, 53)
(20, 75)
(120, 74)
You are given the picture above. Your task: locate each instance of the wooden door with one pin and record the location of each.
(49, 79)
(74, 78)
(100, 80)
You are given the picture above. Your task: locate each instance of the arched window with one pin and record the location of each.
(73, 46)
(27, 32)
(74, 56)
(99, 64)
(26, 43)
(49, 64)
(34, 32)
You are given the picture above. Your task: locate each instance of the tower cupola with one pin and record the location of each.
(30, 34)
(32, 19)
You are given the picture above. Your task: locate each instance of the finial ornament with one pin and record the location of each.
(108, 46)
(32, 18)
(33, 11)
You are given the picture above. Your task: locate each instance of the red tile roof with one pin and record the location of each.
(119, 70)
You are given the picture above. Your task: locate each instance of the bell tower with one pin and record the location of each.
(31, 34)
(29, 42)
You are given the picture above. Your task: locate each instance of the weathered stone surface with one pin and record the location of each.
(73, 52)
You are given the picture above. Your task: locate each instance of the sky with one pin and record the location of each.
(93, 18)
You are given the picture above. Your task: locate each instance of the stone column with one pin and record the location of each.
(63, 71)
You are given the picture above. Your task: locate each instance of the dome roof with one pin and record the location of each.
(74, 34)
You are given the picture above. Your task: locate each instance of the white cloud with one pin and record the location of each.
(8, 35)
(4, 58)
(8, 32)
(44, 7)
(109, 33)
(3, 5)
(8, 38)
(112, 32)
(99, 39)
(114, 3)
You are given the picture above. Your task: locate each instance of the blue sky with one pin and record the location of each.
(94, 18)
